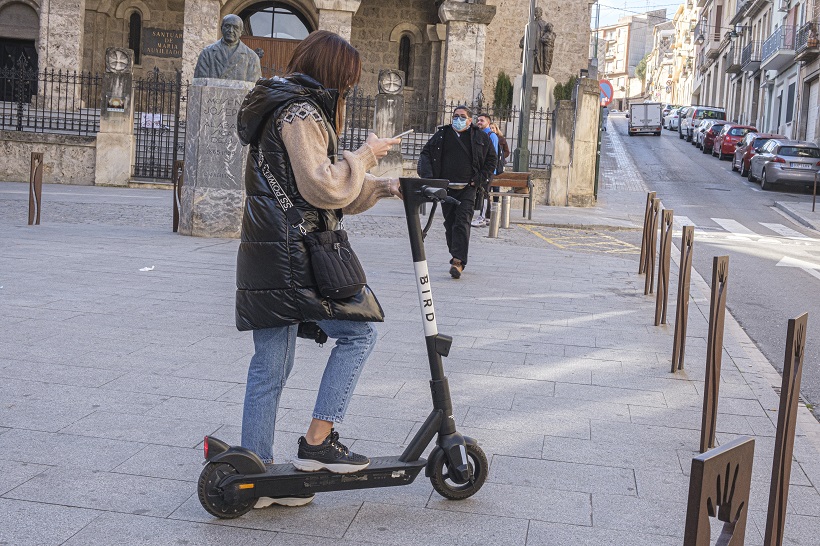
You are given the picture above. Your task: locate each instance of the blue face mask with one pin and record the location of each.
(459, 124)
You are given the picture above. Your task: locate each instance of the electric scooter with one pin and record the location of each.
(235, 477)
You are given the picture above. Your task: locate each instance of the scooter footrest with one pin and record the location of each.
(285, 479)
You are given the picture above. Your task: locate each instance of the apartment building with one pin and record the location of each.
(683, 74)
(620, 48)
(660, 64)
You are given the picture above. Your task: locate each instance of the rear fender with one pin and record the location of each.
(243, 460)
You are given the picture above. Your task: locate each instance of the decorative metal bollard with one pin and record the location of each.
(662, 301)
(714, 351)
(784, 439)
(35, 188)
(646, 218)
(505, 211)
(719, 486)
(682, 309)
(652, 247)
(494, 220)
(178, 176)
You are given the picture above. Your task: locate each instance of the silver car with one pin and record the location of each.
(791, 162)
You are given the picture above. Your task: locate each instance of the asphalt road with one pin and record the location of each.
(734, 217)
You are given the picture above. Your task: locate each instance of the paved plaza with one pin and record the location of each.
(110, 377)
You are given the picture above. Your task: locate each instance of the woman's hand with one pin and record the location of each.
(380, 146)
(395, 189)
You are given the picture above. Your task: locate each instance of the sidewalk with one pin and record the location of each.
(112, 376)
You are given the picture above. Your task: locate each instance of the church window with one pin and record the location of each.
(405, 60)
(135, 35)
(275, 20)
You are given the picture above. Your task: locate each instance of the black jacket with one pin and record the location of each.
(484, 156)
(274, 281)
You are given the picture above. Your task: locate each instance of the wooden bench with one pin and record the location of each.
(518, 182)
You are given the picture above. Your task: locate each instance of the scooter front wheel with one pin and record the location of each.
(443, 484)
(211, 495)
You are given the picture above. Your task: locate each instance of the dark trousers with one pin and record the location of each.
(457, 220)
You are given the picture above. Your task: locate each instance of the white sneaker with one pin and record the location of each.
(477, 221)
(296, 500)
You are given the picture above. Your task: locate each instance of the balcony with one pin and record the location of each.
(701, 63)
(733, 60)
(739, 12)
(778, 49)
(750, 57)
(807, 46)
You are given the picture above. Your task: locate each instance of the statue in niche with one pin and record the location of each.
(544, 44)
(229, 58)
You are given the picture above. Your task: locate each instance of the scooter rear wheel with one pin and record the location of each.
(449, 489)
(211, 496)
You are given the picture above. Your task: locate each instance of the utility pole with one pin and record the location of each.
(521, 155)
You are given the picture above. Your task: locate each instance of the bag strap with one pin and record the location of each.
(292, 214)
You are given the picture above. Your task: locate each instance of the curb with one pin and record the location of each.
(796, 216)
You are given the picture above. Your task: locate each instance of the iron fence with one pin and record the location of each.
(159, 131)
(50, 101)
(807, 37)
(425, 116)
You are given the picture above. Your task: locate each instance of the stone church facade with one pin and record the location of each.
(449, 49)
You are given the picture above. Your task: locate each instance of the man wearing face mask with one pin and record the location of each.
(463, 154)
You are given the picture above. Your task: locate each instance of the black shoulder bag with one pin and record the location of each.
(337, 269)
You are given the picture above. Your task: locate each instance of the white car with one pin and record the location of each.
(671, 120)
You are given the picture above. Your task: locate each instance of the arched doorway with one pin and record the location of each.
(19, 28)
(276, 28)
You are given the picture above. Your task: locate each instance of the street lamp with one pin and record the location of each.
(700, 39)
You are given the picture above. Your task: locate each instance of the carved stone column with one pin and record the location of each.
(62, 31)
(115, 140)
(201, 23)
(337, 15)
(464, 49)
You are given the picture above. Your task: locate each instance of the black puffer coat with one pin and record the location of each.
(275, 285)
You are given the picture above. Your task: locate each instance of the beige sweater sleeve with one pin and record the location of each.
(342, 185)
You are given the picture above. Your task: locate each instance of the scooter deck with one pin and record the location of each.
(285, 479)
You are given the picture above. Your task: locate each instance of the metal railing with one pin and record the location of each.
(807, 37)
(733, 60)
(750, 54)
(50, 101)
(425, 116)
(782, 38)
(159, 130)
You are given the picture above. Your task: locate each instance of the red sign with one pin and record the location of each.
(606, 92)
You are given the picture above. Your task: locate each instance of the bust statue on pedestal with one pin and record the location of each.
(229, 58)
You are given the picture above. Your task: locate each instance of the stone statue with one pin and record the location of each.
(229, 58)
(544, 44)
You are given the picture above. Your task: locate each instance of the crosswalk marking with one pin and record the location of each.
(785, 231)
(733, 226)
(681, 221)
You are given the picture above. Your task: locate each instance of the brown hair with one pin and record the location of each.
(332, 61)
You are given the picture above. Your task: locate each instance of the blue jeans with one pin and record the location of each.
(271, 365)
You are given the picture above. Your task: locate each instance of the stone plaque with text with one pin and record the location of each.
(160, 42)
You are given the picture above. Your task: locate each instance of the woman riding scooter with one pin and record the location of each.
(292, 122)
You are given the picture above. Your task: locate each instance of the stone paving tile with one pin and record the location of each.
(114, 529)
(568, 426)
(205, 410)
(639, 515)
(689, 419)
(612, 395)
(140, 428)
(800, 530)
(104, 491)
(549, 406)
(563, 476)
(389, 524)
(41, 524)
(327, 517)
(14, 473)
(41, 415)
(615, 452)
(172, 463)
(58, 373)
(168, 385)
(535, 504)
(66, 450)
(550, 534)
(668, 486)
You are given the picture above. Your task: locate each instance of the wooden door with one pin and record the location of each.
(277, 53)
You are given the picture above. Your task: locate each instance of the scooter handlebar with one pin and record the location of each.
(438, 195)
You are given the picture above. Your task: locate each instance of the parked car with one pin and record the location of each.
(792, 162)
(670, 121)
(728, 138)
(700, 113)
(710, 134)
(697, 136)
(747, 148)
(666, 109)
(683, 120)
